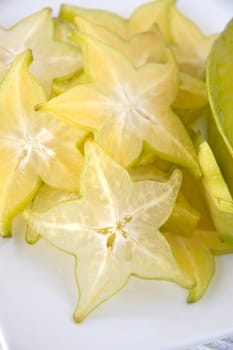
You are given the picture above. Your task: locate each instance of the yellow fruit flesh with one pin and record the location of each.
(113, 230)
(34, 146)
(143, 105)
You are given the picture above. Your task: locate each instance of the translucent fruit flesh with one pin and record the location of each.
(113, 230)
(131, 100)
(33, 145)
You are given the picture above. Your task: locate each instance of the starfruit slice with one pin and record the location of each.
(33, 145)
(220, 90)
(192, 99)
(140, 21)
(113, 230)
(62, 31)
(192, 93)
(124, 105)
(141, 48)
(46, 198)
(52, 58)
(192, 189)
(184, 218)
(218, 196)
(61, 85)
(190, 46)
(195, 255)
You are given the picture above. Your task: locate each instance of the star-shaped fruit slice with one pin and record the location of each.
(126, 106)
(145, 47)
(195, 256)
(192, 189)
(190, 46)
(46, 198)
(183, 219)
(62, 31)
(192, 93)
(140, 20)
(34, 146)
(192, 99)
(217, 194)
(51, 58)
(112, 230)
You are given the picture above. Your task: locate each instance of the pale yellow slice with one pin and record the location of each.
(113, 230)
(34, 146)
(126, 106)
(46, 198)
(184, 218)
(52, 59)
(145, 47)
(218, 196)
(140, 21)
(192, 93)
(195, 255)
(190, 46)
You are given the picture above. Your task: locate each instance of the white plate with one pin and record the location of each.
(37, 289)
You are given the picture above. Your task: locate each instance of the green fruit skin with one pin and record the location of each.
(220, 90)
(222, 152)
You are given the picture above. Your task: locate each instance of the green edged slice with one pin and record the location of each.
(52, 58)
(145, 47)
(190, 46)
(195, 255)
(34, 146)
(141, 20)
(218, 196)
(220, 90)
(46, 198)
(184, 218)
(124, 105)
(112, 230)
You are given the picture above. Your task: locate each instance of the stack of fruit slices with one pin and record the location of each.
(99, 150)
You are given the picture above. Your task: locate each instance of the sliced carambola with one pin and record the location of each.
(190, 46)
(195, 256)
(140, 21)
(46, 198)
(62, 31)
(192, 98)
(192, 189)
(220, 89)
(113, 230)
(145, 47)
(52, 58)
(218, 197)
(192, 93)
(33, 145)
(135, 106)
(184, 218)
(61, 85)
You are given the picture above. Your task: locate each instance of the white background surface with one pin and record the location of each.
(37, 289)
